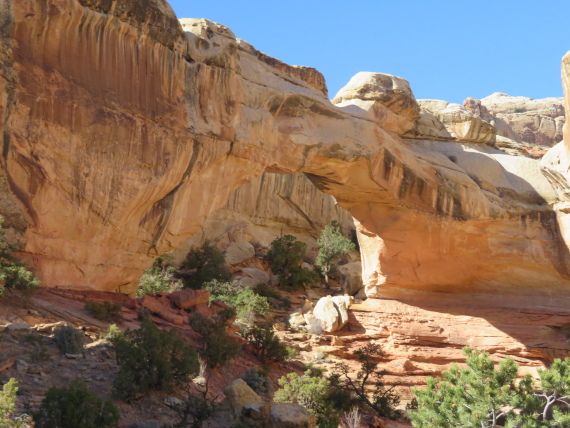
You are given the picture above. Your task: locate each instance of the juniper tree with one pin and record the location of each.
(333, 246)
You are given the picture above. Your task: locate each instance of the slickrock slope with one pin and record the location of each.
(124, 129)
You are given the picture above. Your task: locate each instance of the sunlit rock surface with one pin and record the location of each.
(124, 130)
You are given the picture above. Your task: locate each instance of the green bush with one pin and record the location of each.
(265, 290)
(285, 257)
(204, 264)
(69, 340)
(13, 273)
(333, 245)
(266, 344)
(196, 408)
(219, 348)
(313, 393)
(8, 404)
(245, 301)
(39, 352)
(258, 380)
(112, 332)
(75, 406)
(367, 385)
(152, 359)
(482, 396)
(159, 278)
(105, 311)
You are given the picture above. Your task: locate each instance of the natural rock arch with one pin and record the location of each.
(120, 138)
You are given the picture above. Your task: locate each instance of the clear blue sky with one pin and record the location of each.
(449, 50)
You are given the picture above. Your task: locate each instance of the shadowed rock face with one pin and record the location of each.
(123, 129)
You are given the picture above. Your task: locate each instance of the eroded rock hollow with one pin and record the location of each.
(124, 128)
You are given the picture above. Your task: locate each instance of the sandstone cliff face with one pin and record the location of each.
(120, 138)
(525, 119)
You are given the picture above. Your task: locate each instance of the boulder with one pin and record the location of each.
(296, 319)
(160, 308)
(18, 326)
(342, 303)
(461, 123)
(289, 415)
(188, 298)
(238, 252)
(252, 276)
(351, 278)
(314, 325)
(239, 394)
(326, 312)
(383, 98)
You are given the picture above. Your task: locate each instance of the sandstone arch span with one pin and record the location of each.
(123, 128)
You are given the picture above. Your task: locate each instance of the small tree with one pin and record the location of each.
(219, 348)
(196, 408)
(333, 246)
(204, 264)
(285, 257)
(152, 359)
(266, 344)
(476, 396)
(75, 406)
(8, 404)
(13, 273)
(159, 278)
(381, 400)
(244, 300)
(313, 393)
(69, 340)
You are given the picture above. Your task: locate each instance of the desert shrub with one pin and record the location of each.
(69, 339)
(105, 311)
(258, 380)
(313, 393)
(152, 359)
(112, 332)
(366, 385)
(75, 406)
(13, 273)
(265, 290)
(245, 301)
(39, 352)
(202, 265)
(333, 245)
(196, 408)
(313, 370)
(266, 344)
(285, 257)
(482, 396)
(219, 348)
(143, 314)
(159, 278)
(8, 404)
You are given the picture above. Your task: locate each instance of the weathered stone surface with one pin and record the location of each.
(296, 319)
(459, 122)
(342, 303)
(161, 307)
(291, 416)
(351, 277)
(188, 298)
(383, 98)
(326, 312)
(239, 394)
(252, 276)
(116, 162)
(238, 252)
(532, 121)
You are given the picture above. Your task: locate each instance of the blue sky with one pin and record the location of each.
(449, 50)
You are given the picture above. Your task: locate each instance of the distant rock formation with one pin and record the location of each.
(124, 130)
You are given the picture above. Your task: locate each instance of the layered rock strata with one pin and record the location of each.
(124, 129)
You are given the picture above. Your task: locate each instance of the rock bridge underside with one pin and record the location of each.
(123, 128)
